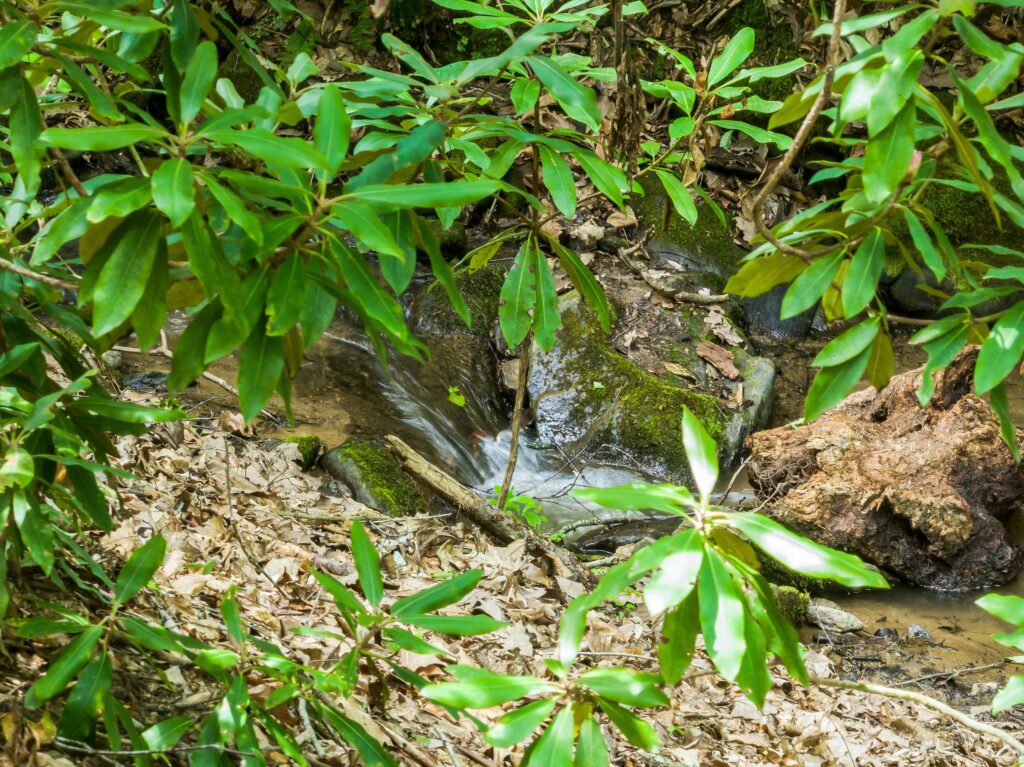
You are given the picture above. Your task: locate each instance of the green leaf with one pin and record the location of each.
(612, 583)
(701, 453)
(554, 747)
(139, 569)
(672, 499)
(638, 732)
(102, 139)
(332, 129)
(519, 296)
(804, 555)
(286, 295)
(722, 616)
(925, 246)
(215, 660)
(173, 189)
(208, 263)
(99, 101)
(633, 688)
(424, 235)
(559, 180)
(434, 598)
(16, 40)
(343, 597)
(260, 366)
(676, 577)
(736, 51)
(65, 668)
(579, 102)
(760, 135)
(518, 724)
(413, 149)
(455, 625)
(831, 384)
(367, 564)
(546, 319)
(584, 282)
(1002, 350)
(85, 703)
(1006, 607)
(123, 278)
(164, 735)
(679, 195)
(941, 352)
(150, 313)
(385, 197)
(809, 286)
(608, 179)
(370, 751)
(199, 76)
(591, 750)
(849, 344)
(118, 199)
(235, 209)
(524, 94)
(485, 690)
(138, 23)
(764, 273)
(1007, 429)
(17, 469)
(888, 155)
(679, 630)
(1010, 695)
(864, 273)
(274, 150)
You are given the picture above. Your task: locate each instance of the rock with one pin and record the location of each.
(508, 375)
(593, 402)
(310, 447)
(888, 634)
(375, 477)
(828, 616)
(917, 632)
(147, 380)
(761, 314)
(113, 359)
(921, 492)
(793, 603)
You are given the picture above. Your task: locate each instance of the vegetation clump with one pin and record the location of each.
(311, 447)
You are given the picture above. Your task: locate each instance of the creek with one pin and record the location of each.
(344, 391)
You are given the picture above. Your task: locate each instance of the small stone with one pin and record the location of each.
(888, 634)
(112, 359)
(828, 616)
(508, 374)
(917, 632)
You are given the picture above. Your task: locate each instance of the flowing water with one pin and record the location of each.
(344, 390)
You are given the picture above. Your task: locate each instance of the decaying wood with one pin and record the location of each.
(498, 525)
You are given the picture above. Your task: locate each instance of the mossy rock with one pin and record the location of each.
(375, 477)
(481, 289)
(586, 395)
(793, 603)
(706, 249)
(310, 447)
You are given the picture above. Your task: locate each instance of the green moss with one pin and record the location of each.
(379, 476)
(709, 239)
(773, 44)
(310, 448)
(481, 289)
(793, 603)
(647, 408)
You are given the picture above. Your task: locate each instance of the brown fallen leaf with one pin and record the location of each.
(720, 358)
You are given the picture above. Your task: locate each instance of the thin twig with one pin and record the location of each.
(801, 138)
(77, 747)
(21, 271)
(517, 421)
(948, 675)
(915, 697)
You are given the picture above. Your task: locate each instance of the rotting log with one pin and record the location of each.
(501, 527)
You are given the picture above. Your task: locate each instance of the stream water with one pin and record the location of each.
(344, 390)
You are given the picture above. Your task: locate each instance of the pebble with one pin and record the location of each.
(917, 632)
(827, 615)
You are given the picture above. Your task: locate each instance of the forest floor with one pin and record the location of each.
(239, 510)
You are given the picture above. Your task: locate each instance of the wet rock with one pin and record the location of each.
(508, 375)
(375, 477)
(922, 492)
(310, 447)
(592, 402)
(761, 314)
(148, 380)
(830, 617)
(888, 634)
(793, 603)
(917, 632)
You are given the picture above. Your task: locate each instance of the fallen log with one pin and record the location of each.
(501, 527)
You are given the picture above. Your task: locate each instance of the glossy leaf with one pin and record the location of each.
(1002, 350)
(139, 569)
(554, 747)
(485, 690)
(832, 384)
(865, 271)
(517, 725)
(60, 673)
(701, 453)
(173, 190)
(578, 101)
(367, 562)
(849, 344)
(85, 703)
(736, 51)
(199, 76)
(633, 688)
(559, 180)
(809, 286)
(434, 598)
(679, 195)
